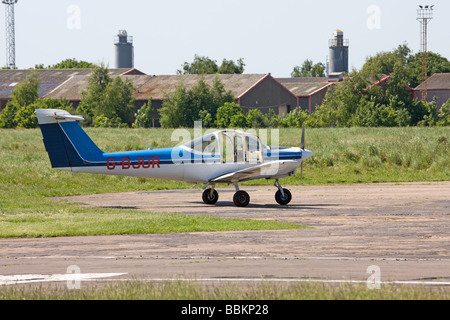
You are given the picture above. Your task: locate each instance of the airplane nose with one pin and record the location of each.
(306, 154)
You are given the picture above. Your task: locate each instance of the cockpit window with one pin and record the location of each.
(253, 143)
(232, 146)
(205, 144)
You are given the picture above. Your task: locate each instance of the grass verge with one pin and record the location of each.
(193, 290)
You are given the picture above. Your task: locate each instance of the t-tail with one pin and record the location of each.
(66, 143)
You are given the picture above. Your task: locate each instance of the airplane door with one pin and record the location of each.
(226, 148)
(239, 149)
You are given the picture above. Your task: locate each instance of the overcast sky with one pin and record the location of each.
(272, 36)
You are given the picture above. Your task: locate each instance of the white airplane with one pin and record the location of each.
(227, 156)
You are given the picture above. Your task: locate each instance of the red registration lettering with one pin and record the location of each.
(110, 164)
(126, 164)
(145, 166)
(155, 160)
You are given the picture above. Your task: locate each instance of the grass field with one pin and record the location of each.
(341, 156)
(194, 290)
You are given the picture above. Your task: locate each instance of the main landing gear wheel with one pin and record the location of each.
(210, 197)
(283, 200)
(241, 198)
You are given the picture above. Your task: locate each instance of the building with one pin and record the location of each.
(251, 91)
(438, 89)
(55, 83)
(310, 92)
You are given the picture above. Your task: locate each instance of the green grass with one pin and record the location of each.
(354, 155)
(341, 156)
(27, 180)
(193, 290)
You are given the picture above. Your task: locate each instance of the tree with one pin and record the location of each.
(118, 100)
(200, 65)
(255, 119)
(68, 64)
(228, 112)
(26, 118)
(435, 64)
(295, 118)
(309, 69)
(93, 97)
(175, 105)
(205, 65)
(182, 107)
(144, 118)
(444, 115)
(230, 67)
(24, 94)
(110, 99)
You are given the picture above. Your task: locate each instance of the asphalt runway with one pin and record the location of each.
(391, 232)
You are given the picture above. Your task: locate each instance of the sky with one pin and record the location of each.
(271, 36)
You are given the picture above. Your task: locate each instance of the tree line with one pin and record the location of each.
(356, 101)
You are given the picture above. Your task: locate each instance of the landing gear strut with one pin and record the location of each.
(242, 198)
(282, 196)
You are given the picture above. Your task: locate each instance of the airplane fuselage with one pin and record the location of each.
(224, 156)
(159, 164)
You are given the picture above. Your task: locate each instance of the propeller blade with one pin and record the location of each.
(302, 145)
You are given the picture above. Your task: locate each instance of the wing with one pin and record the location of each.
(265, 170)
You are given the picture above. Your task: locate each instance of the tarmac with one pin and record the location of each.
(390, 232)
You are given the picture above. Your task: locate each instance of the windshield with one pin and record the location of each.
(205, 144)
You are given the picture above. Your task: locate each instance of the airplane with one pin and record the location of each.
(224, 156)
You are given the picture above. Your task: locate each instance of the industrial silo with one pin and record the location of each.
(338, 53)
(124, 50)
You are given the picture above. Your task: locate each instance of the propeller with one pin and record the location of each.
(302, 146)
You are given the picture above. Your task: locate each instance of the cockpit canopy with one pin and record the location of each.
(230, 145)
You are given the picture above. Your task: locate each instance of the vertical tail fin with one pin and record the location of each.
(67, 144)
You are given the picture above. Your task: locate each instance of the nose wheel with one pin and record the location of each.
(282, 196)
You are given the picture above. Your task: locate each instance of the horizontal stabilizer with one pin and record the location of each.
(45, 116)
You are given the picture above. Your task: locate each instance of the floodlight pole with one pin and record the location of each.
(424, 16)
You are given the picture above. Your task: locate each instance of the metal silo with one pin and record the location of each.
(338, 53)
(124, 50)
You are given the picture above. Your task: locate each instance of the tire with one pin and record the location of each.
(208, 199)
(283, 200)
(241, 198)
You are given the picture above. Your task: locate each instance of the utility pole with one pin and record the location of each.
(424, 16)
(10, 34)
